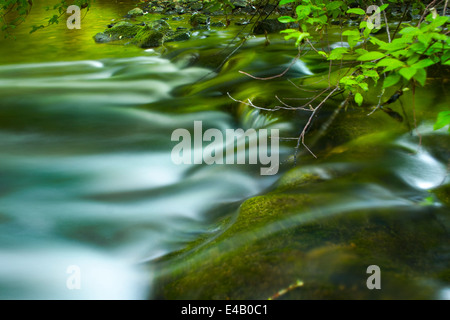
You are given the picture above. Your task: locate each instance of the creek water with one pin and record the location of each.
(86, 175)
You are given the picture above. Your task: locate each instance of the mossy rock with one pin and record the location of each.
(149, 38)
(121, 30)
(153, 35)
(329, 256)
(135, 12)
(198, 19)
(179, 36)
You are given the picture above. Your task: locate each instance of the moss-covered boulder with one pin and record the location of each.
(153, 34)
(282, 241)
(149, 38)
(135, 12)
(121, 30)
(198, 20)
(179, 36)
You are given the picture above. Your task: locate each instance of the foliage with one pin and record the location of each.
(442, 120)
(400, 60)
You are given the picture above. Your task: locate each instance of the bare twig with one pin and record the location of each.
(379, 101)
(295, 108)
(282, 292)
(301, 138)
(387, 24)
(276, 108)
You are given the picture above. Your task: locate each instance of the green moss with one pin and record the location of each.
(148, 38)
(198, 19)
(153, 35)
(135, 12)
(123, 30)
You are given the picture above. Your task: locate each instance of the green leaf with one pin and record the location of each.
(367, 32)
(286, 2)
(443, 120)
(289, 31)
(408, 73)
(334, 5)
(377, 41)
(384, 6)
(396, 44)
(358, 11)
(337, 53)
(423, 63)
(374, 55)
(353, 37)
(364, 86)
(300, 38)
(391, 80)
(412, 59)
(303, 11)
(351, 33)
(439, 21)
(421, 77)
(446, 55)
(323, 53)
(390, 63)
(425, 38)
(399, 53)
(439, 36)
(359, 99)
(411, 31)
(368, 65)
(348, 82)
(372, 74)
(361, 51)
(286, 19)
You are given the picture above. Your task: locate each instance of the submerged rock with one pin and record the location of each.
(102, 38)
(218, 24)
(242, 22)
(179, 36)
